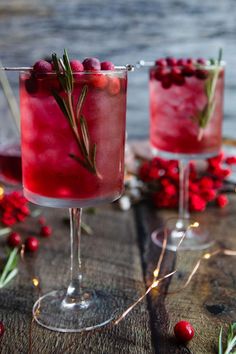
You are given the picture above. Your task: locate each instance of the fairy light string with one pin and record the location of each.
(155, 283)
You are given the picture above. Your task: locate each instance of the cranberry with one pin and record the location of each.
(201, 74)
(14, 239)
(190, 61)
(107, 65)
(46, 231)
(177, 76)
(222, 200)
(31, 85)
(42, 220)
(171, 61)
(42, 67)
(161, 62)
(91, 64)
(183, 331)
(188, 70)
(181, 62)
(167, 81)
(76, 66)
(31, 244)
(2, 329)
(114, 86)
(99, 81)
(201, 61)
(160, 73)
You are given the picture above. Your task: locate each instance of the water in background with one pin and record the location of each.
(123, 31)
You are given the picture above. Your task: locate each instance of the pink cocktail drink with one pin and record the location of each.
(54, 173)
(186, 108)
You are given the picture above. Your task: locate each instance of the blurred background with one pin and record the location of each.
(122, 31)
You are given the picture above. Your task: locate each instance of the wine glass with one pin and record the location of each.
(186, 109)
(73, 135)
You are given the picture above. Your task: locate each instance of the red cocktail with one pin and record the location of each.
(51, 176)
(73, 135)
(10, 164)
(186, 109)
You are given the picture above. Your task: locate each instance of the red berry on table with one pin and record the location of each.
(91, 64)
(107, 65)
(42, 220)
(222, 200)
(2, 329)
(114, 86)
(76, 66)
(14, 239)
(184, 331)
(42, 67)
(46, 231)
(31, 244)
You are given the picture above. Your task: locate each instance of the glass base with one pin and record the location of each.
(194, 235)
(96, 309)
(182, 156)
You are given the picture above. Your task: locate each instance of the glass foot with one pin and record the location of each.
(182, 235)
(96, 309)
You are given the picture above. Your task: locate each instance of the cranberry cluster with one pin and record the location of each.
(162, 179)
(97, 79)
(13, 209)
(172, 71)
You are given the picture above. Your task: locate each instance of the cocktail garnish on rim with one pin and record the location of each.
(73, 114)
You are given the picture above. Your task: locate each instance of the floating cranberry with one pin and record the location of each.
(177, 76)
(183, 331)
(201, 74)
(42, 67)
(114, 86)
(46, 231)
(76, 66)
(188, 70)
(161, 62)
(31, 85)
(14, 239)
(160, 73)
(31, 244)
(107, 65)
(99, 81)
(167, 81)
(2, 329)
(91, 64)
(171, 61)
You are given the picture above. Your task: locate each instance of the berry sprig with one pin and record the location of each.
(161, 178)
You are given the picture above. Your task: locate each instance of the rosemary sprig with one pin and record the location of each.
(210, 86)
(231, 340)
(73, 113)
(10, 270)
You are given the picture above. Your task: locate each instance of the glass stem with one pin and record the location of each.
(74, 290)
(183, 193)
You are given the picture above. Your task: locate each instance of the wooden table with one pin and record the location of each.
(120, 256)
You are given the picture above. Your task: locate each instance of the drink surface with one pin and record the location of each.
(50, 175)
(10, 164)
(178, 113)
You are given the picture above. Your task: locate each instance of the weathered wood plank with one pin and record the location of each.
(112, 261)
(209, 301)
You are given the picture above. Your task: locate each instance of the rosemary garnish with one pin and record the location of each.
(10, 270)
(231, 340)
(204, 116)
(73, 113)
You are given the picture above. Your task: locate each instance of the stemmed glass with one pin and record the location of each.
(186, 109)
(73, 135)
